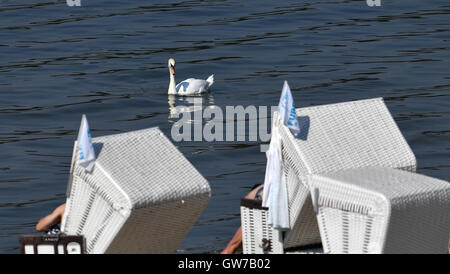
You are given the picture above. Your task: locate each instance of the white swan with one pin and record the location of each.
(189, 86)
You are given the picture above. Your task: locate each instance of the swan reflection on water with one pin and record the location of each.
(180, 105)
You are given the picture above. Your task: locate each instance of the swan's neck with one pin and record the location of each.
(172, 85)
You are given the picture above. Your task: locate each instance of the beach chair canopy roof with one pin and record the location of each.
(348, 135)
(144, 166)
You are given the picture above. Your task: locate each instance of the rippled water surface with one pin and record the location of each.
(108, 59)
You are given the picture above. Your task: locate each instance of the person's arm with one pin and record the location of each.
(52, 219)
(236, 241)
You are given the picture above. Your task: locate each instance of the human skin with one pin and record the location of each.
(52, 219)
(236, 241)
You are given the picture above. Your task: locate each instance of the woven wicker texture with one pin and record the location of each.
(142, 196)
(254, 222)
(382, 210)
(336, 137)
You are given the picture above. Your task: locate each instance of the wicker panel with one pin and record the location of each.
(382, 210)
(174, 220)
(257, 236)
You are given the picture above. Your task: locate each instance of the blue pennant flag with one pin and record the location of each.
(287, 110)
(86, 149)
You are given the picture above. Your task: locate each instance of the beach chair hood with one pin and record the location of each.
(141, 197)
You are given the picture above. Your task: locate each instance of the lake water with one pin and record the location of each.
(108, 60)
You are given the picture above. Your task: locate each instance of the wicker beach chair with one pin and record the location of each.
(142, 196)
(381, 210)
(333, 137)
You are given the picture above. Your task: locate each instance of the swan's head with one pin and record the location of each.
(171, 65)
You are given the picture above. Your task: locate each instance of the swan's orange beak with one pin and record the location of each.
(172, 69)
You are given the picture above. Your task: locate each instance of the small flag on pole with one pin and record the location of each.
(287, 110)
(86, 149)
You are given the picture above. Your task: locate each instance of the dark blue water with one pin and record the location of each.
(108, 59)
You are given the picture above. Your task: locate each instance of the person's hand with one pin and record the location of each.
(52, 219)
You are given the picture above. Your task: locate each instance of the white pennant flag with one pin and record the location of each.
(287, 110)
(86, 149)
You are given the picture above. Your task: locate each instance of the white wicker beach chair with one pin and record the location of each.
(142, 196)
(381, 210)
(333, 137)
